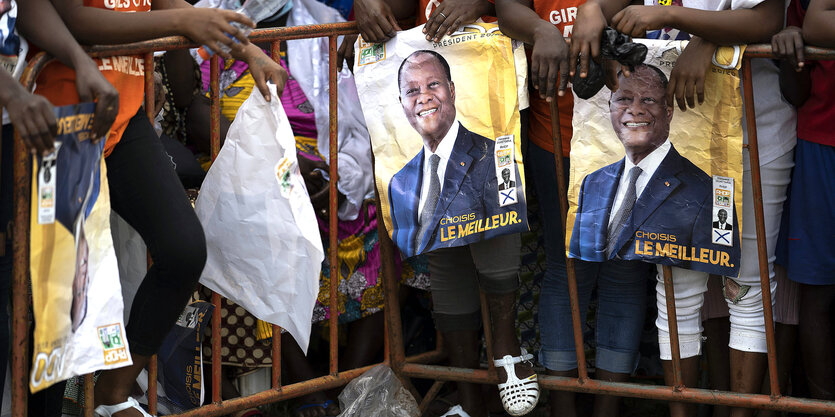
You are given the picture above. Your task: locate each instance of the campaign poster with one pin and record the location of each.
(444, 124)
(652, 182)
(76, 295)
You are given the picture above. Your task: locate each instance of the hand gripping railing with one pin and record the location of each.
(394, 350)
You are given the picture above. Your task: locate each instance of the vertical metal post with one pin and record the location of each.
(562, 192)
(89, 401)
(391, 293)
(488, 335)
(333, 206)
(214, 97)
(672, 322)
(276, 365)
(19, 346)
(149, 111)
(275, 54)
(759, 219)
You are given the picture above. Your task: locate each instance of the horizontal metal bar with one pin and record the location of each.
(624, 389)
(258, 35)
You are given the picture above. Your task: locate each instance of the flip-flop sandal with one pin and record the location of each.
(323, 406)
(519, 396)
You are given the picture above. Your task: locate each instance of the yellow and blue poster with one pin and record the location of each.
(651, 182)
(76, 295)
(444, 124)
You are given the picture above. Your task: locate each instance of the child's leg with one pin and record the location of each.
(145, 191)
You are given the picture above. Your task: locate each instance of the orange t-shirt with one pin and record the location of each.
(126, 73)
(426, 7)
(561, 13)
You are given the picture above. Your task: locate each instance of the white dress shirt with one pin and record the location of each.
(444, 150)
(648, 165)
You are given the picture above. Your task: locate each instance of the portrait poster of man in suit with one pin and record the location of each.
(651, 182)
(444, 126)
(75, 280)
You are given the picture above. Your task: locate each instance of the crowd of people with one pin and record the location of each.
(796, 163)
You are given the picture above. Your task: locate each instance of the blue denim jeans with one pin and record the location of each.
(621, 287)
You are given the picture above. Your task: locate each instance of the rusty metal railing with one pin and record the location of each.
(412, 367)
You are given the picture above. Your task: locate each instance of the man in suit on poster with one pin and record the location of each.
(452, 175)
(653, 191)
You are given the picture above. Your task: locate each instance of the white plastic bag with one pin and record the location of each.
(264, 248)
(308, 61)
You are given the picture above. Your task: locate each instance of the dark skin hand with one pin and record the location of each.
(549, 57)
(788, 45)
(795, 81)
(39, 23)
(451, 14)
(31, 115)
(687, 79)
(377, 23)
(592, 18)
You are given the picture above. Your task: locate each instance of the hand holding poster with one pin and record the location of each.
(650, 183)
(76, 295)
(444, 125)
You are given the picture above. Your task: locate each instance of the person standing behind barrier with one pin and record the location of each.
(456, 274)
(32, 117)
(144, 188)
(712, 23)
(811, 206)
(620, 284)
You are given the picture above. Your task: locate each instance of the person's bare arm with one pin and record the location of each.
(39, 23)
(723, 27)
(592, 18)
(819, 24)
(209, 27)
(549, 56)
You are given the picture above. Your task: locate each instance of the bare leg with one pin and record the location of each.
(690, 378)
(717, 332)
(503, 318)
(463, 348)
(299, 369)
(608, 405)
(747, 372)
(114, 386)
(365, 341)
(786, 337)
(816, 339)
(563, 403)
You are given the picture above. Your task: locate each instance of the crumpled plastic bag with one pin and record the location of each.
(615, 46)
(264, 251)
(377, 393)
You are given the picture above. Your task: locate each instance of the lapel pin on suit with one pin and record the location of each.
(667, 183)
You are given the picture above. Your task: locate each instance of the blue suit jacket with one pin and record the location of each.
(677, 201)
(470, 188)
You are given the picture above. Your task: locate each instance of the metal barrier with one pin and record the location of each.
(412, 367)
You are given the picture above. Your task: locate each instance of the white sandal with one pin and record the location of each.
(456, 410)
(109, 410)
(519, 396)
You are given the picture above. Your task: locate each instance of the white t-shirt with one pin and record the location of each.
(776, 118)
